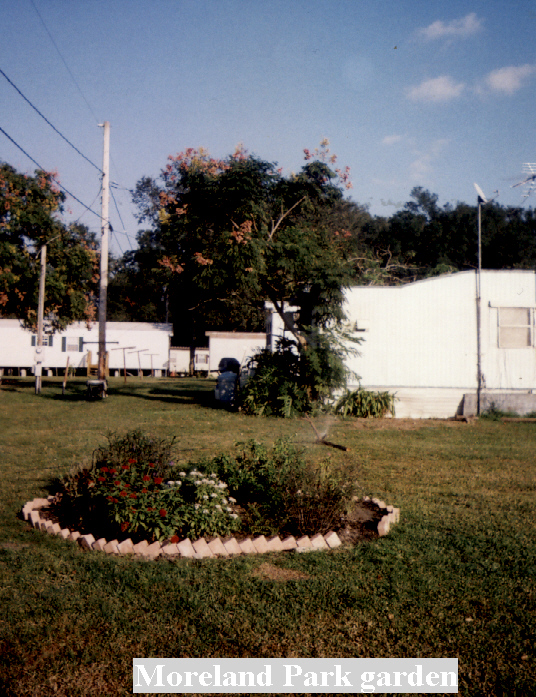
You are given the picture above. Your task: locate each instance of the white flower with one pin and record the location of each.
(196, 506)
(205, 498)
(182, 474)
(231, 500)
(229, 510)
(234, 515)
(218, 507)
(205, 510)
(213, 496)
(213, 475)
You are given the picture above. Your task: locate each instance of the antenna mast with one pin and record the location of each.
(529, 168)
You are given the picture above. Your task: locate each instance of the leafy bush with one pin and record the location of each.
(132, 490)
(276, 387)
(283, 493)
(365, 404)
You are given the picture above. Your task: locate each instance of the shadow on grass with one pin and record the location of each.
(178, 392)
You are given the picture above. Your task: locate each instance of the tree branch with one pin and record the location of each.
(282, 217)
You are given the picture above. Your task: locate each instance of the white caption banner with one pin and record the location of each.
(295, 675)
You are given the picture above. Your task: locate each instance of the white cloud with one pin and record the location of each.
(391, 140)
(422, 166)
(439, 89)
(509, 80)
(458, 28)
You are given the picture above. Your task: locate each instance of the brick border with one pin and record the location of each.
(202, 548)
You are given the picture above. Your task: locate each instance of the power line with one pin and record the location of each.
(120, 218)
(64, 62)
(43, 170)
(49, 123)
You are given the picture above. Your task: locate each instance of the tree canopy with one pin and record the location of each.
(29, 218)
(229, 234)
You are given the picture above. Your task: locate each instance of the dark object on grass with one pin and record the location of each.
(96, 389)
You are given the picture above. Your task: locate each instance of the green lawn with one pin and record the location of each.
(455, 578)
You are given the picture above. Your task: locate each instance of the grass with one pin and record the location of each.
(455, 578)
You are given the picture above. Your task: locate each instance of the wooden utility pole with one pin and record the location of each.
(105, 228)
(40, 313)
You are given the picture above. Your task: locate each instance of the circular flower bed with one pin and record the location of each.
(134, 491)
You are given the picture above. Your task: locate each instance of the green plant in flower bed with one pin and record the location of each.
(365, 404)
(280, 492)
(132, 490)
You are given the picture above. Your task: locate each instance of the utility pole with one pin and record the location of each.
(40, 313)
(105, 228)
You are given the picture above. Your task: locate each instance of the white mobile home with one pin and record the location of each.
(139, 345)
(421, 341)
(233, 345)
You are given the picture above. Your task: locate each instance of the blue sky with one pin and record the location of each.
(409, 93)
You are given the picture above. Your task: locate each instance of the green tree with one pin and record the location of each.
(236, 231)
(233, 233)
(29, 218)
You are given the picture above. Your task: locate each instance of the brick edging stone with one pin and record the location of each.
(203, 548)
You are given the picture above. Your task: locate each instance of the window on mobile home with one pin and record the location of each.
(72, 344)
(47, 339)
(515, 327)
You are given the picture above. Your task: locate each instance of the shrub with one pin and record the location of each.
(275, 388)
(132, 490)
(298, 379)
(365, 404)
(284, 494)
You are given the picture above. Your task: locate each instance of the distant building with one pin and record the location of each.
(139, 345)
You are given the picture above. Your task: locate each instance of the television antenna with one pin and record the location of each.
(529, 168)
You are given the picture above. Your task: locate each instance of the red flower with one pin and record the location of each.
(123, 493)
(158, 480)
(126, 486)
(146, 478)
(101, 479)
(125, 467)
(163, 512)
(110, 498)
(144, 491)
(133, 495)
(104, 469)
(124, 526)
(151, 464)
(150, 508)
(118, 483)
(112, 470)
(174, 539)
(131, 462)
